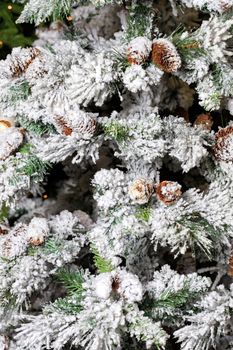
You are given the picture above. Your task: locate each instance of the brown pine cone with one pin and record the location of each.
(165, 56)
(168, 192)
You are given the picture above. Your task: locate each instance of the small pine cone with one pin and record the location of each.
(20, 59)
(139, 50)
(5, 124)
(230, 266)
(86, 126)
(168, 192)
(223, 149)
(140, 191)
(165, 56)
(62, 126)
(205, 121)
(37, 231)
(10, 140)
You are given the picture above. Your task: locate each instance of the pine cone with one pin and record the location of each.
(140, 191)
(139, 50)
(62, 126)
(10, 140)
(205, 121)
(230, 266)
(165, 56)
(223, 149)
(20, 59)
(37, 231)
(168, 192)
(86, 126)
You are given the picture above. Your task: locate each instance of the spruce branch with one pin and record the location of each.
(170, 299)
(101, 264)
(19, 91)
(117, 131)
(72, 281)
(37, 128)
(143, 213)
(69, 306)
(140, 22)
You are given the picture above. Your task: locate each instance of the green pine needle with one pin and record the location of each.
(19, 91)
(37, 128)
(4, 211)
(117, 131)
(144, 213)
(35, 168)
(101, 264)
(67, 306)
(52, 246)
(139, 21)
(73, 282)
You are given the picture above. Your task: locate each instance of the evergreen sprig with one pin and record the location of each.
(139, 21)
(52, 246)
(19, 91)
(196, 224)
(117, 131)
(143, 213)
(67, 306)
(73, 282)
(35, 168)
(101, 264)
(170, 299)
(37, 128)
(188, 48)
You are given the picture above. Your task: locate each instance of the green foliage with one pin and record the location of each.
(67, 306)
(4, 211)
(117, 131)
(19, 91)
(201, 232)
(173, 299)
(52, 246)
(143, 213)
(140, 22)
(41, 11)
(37, 128)
(12, 35)
(73, 282)
(101, 264)
(35, 168)
(120, 60)
(188, 48)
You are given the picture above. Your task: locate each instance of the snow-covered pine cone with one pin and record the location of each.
(140, 191)
(10, 140)
(205, 121)
(168, 192)
(20, 59)
(62, 125)
(139, 50)
(223, 149)
(165, 56)
(80, 123)
(86, 126)
(37, 231)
